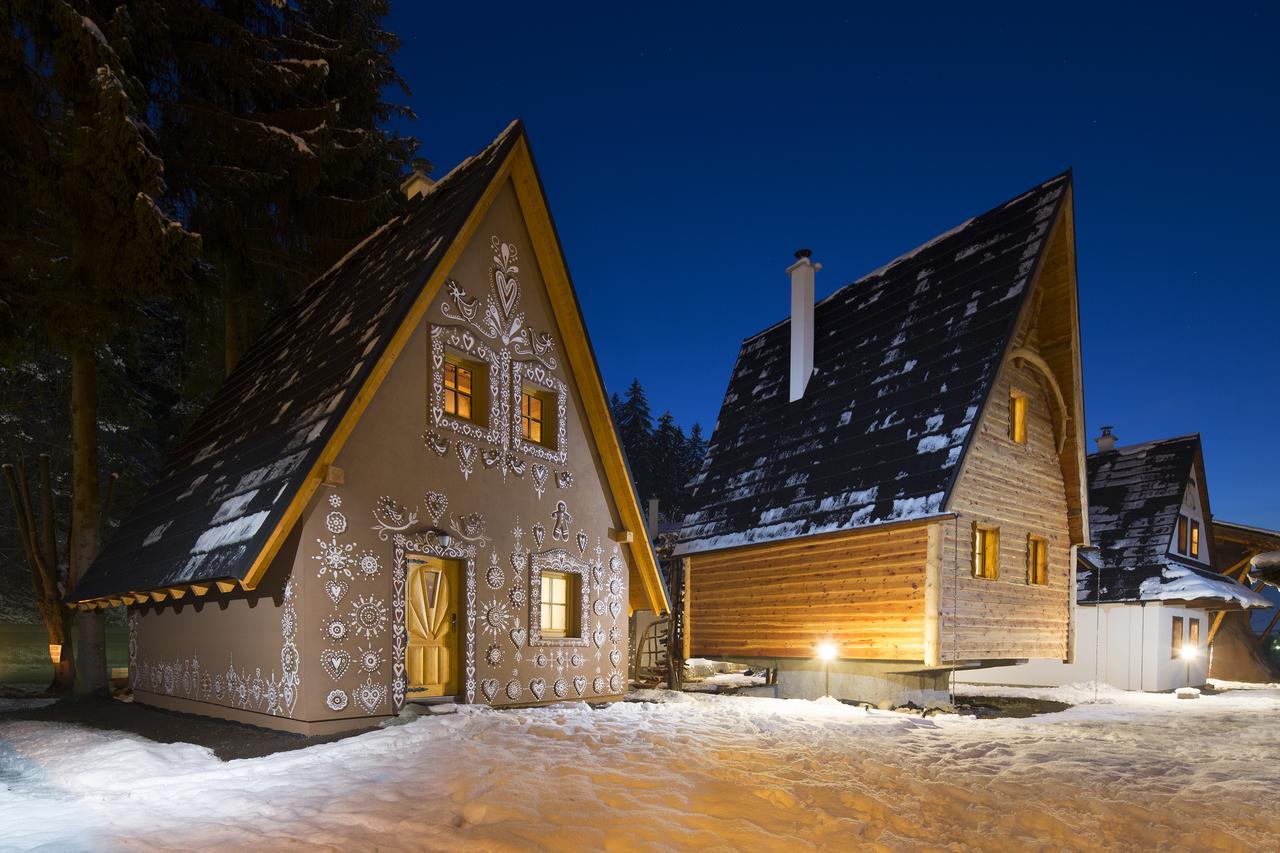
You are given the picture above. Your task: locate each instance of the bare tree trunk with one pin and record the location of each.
(91, 658)
(233, 323)
(41, 549)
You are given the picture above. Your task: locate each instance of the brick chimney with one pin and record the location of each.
(1106, 441)
(802, 274)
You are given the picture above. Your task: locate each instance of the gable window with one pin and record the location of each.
(1182, 534)
(986, 552)
(464, 388)
(1018, 417)
(536, 417)
(1037, 560)
(1194, 546)
(559, 592)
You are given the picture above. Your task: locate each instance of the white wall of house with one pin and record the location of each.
(1129, 646)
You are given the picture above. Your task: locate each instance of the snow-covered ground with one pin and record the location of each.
(1132, 770)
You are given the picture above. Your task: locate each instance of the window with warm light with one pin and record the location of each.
(464, 384)
(1175, 648)
(558, 597)
(1182, 534)
(1193, 633)
(1037, 560)
(986, 552)
(1194, 543)
(1018, 417)
(536, 417)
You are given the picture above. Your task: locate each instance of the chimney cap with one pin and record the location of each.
(1106, 430)
(801, 254)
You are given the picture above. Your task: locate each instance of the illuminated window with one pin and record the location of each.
(536, 417)
(1182, 534)
(1175, 648)
(558, 597)
(1018, 417)
(1037, 561)
(1193, 633)
(1195, 538)
(459, 390)
(986, 552)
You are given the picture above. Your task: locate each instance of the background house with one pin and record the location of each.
(896, 478)
(1148, 591)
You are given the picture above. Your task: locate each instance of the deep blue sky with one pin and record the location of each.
(687, 152)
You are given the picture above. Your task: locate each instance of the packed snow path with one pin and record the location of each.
(692, 772)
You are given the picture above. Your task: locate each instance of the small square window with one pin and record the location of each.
(536, 416)
(1037, 561)
(464, 384)
(986, 552)
(559, 594)
(1018, 417)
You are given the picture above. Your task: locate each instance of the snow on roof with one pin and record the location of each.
(1265, 567)
(903, 360)
(226, 486)
(1181, 582)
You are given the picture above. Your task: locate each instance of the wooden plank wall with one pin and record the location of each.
(864, 591)
(1020, 489)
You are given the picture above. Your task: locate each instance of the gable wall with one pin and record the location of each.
(1021, 490)
(389, 458)
(1193, 507)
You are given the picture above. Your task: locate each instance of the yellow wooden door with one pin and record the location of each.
(431, 659)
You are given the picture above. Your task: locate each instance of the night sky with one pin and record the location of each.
(688, 152)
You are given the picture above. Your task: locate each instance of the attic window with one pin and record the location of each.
(1183, 535)
(1037, 560)
(1018, 416)
(986, 552)
(1194, 550)
(536, 415)
(465, 385)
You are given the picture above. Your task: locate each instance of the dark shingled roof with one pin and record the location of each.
(1135, 497)
(903, 360)
(226, 487)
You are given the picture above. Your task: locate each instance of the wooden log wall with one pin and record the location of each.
(864, 591)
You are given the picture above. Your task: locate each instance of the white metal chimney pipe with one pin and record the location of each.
(802, 275)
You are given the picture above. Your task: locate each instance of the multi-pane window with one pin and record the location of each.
(1037, 560)
(1183, 528)
(1175, 647)
(531, 423)
(557, 603)
(986, 552)
(459, 390)
(1018, 417)
(1194, 547)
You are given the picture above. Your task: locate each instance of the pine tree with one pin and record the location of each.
(635, 428)
(90, 242)
(668, 459)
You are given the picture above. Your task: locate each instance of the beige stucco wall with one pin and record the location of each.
(502, 507)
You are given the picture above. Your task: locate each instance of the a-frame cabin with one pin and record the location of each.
(896, 478)
(410, 487)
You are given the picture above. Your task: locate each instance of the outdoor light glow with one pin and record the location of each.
(826, 651)
(1188, 652)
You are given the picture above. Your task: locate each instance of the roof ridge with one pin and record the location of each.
(1151, 443)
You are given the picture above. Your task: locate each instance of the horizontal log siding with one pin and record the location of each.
(864, 591)
(1020, 489)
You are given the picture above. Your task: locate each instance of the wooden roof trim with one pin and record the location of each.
(1077, 400)
(586, 373)
(373, 382)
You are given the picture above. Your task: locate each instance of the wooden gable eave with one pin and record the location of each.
(567, 312)
(1206, 511)
(1059, 355)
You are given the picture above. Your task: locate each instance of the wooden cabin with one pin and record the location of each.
(896, 478)
(1150, 594)
(1246, 644)
(410, 488)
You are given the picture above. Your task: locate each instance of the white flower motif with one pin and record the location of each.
(370, 659)
(335, 522)
(368, 616)
(335, 630)
(369, 564)
(335, 558)
(493, 655)
(495, 618)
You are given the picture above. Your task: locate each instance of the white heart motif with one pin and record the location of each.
(598, 637)
(335, 590)
(615, 607)
(518, 636)
(489, 687)
(335, 663)
(580, 684)
(537, 687)
(615, 656)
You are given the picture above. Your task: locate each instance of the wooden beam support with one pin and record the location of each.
(226, 586)
(1266, 632)
(176, 592)
(200, 589)
(158, 595)
(622, 537)
(334, 476)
